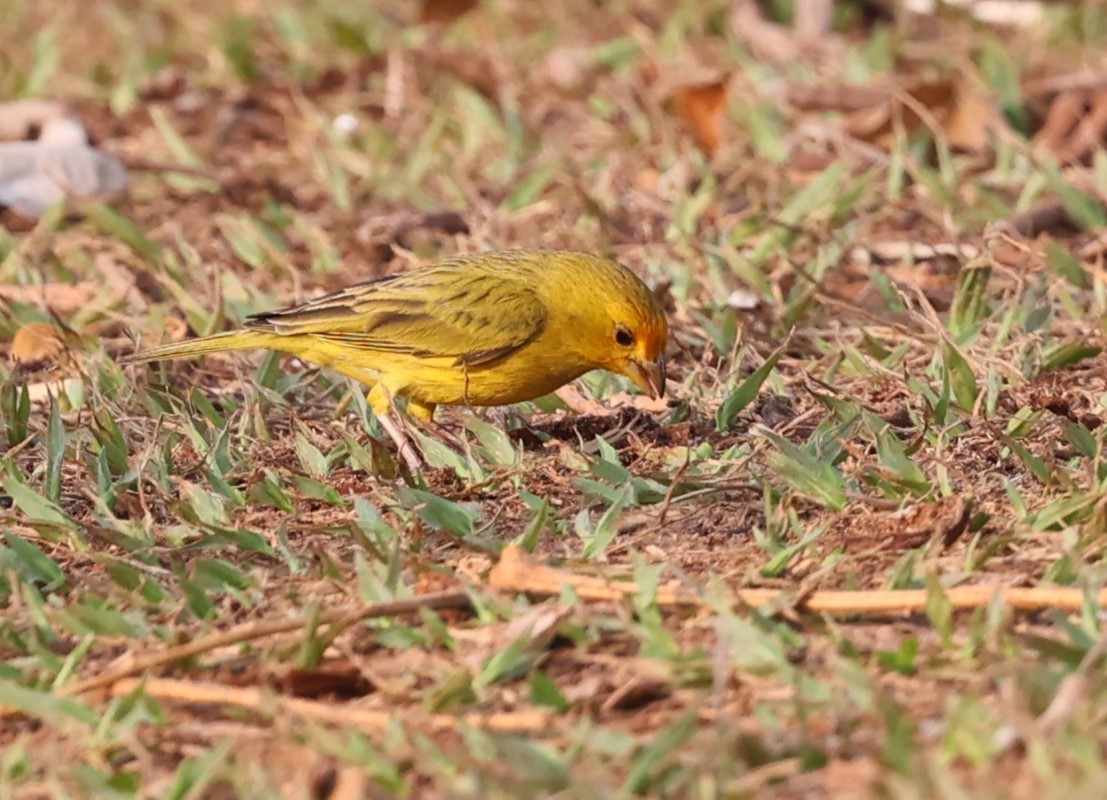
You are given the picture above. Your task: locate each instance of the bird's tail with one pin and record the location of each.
(219, 343)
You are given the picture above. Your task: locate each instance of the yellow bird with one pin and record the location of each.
(481, 330)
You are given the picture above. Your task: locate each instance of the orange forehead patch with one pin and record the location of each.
(655, 334)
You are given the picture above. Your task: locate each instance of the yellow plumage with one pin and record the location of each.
(484, 329)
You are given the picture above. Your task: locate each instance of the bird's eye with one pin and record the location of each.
(623, 336)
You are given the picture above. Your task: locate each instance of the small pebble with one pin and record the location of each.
(346, 124)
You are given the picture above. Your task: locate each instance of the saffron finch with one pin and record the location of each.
(479, 330)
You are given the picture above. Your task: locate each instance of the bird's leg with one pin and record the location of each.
(423, 416)
(380, 400)
(391, 424)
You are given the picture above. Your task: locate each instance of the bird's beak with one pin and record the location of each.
(649, 375)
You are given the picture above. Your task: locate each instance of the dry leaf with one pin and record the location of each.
(970, 124)
(38, 343)
(961, 114)
(116, 285)
(445, 11)
(337, 677)
(62, 298)
(702, 107)
(350, 783)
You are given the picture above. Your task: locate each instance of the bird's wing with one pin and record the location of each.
(473, 319)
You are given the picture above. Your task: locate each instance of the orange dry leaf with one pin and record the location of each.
(969, 127)
(702, 107)
(38, 343)
(445, 11)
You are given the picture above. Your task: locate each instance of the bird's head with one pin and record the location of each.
(626, 326)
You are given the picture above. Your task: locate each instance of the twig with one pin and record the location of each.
(880, 503)
(140, 165)
(364, 719)
(664, 510)
(1068, 82)
(259, 630)
(516, 573)
(657, 524)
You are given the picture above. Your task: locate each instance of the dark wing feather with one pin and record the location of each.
(474, 318)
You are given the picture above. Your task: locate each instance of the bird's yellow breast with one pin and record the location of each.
(525, 374)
